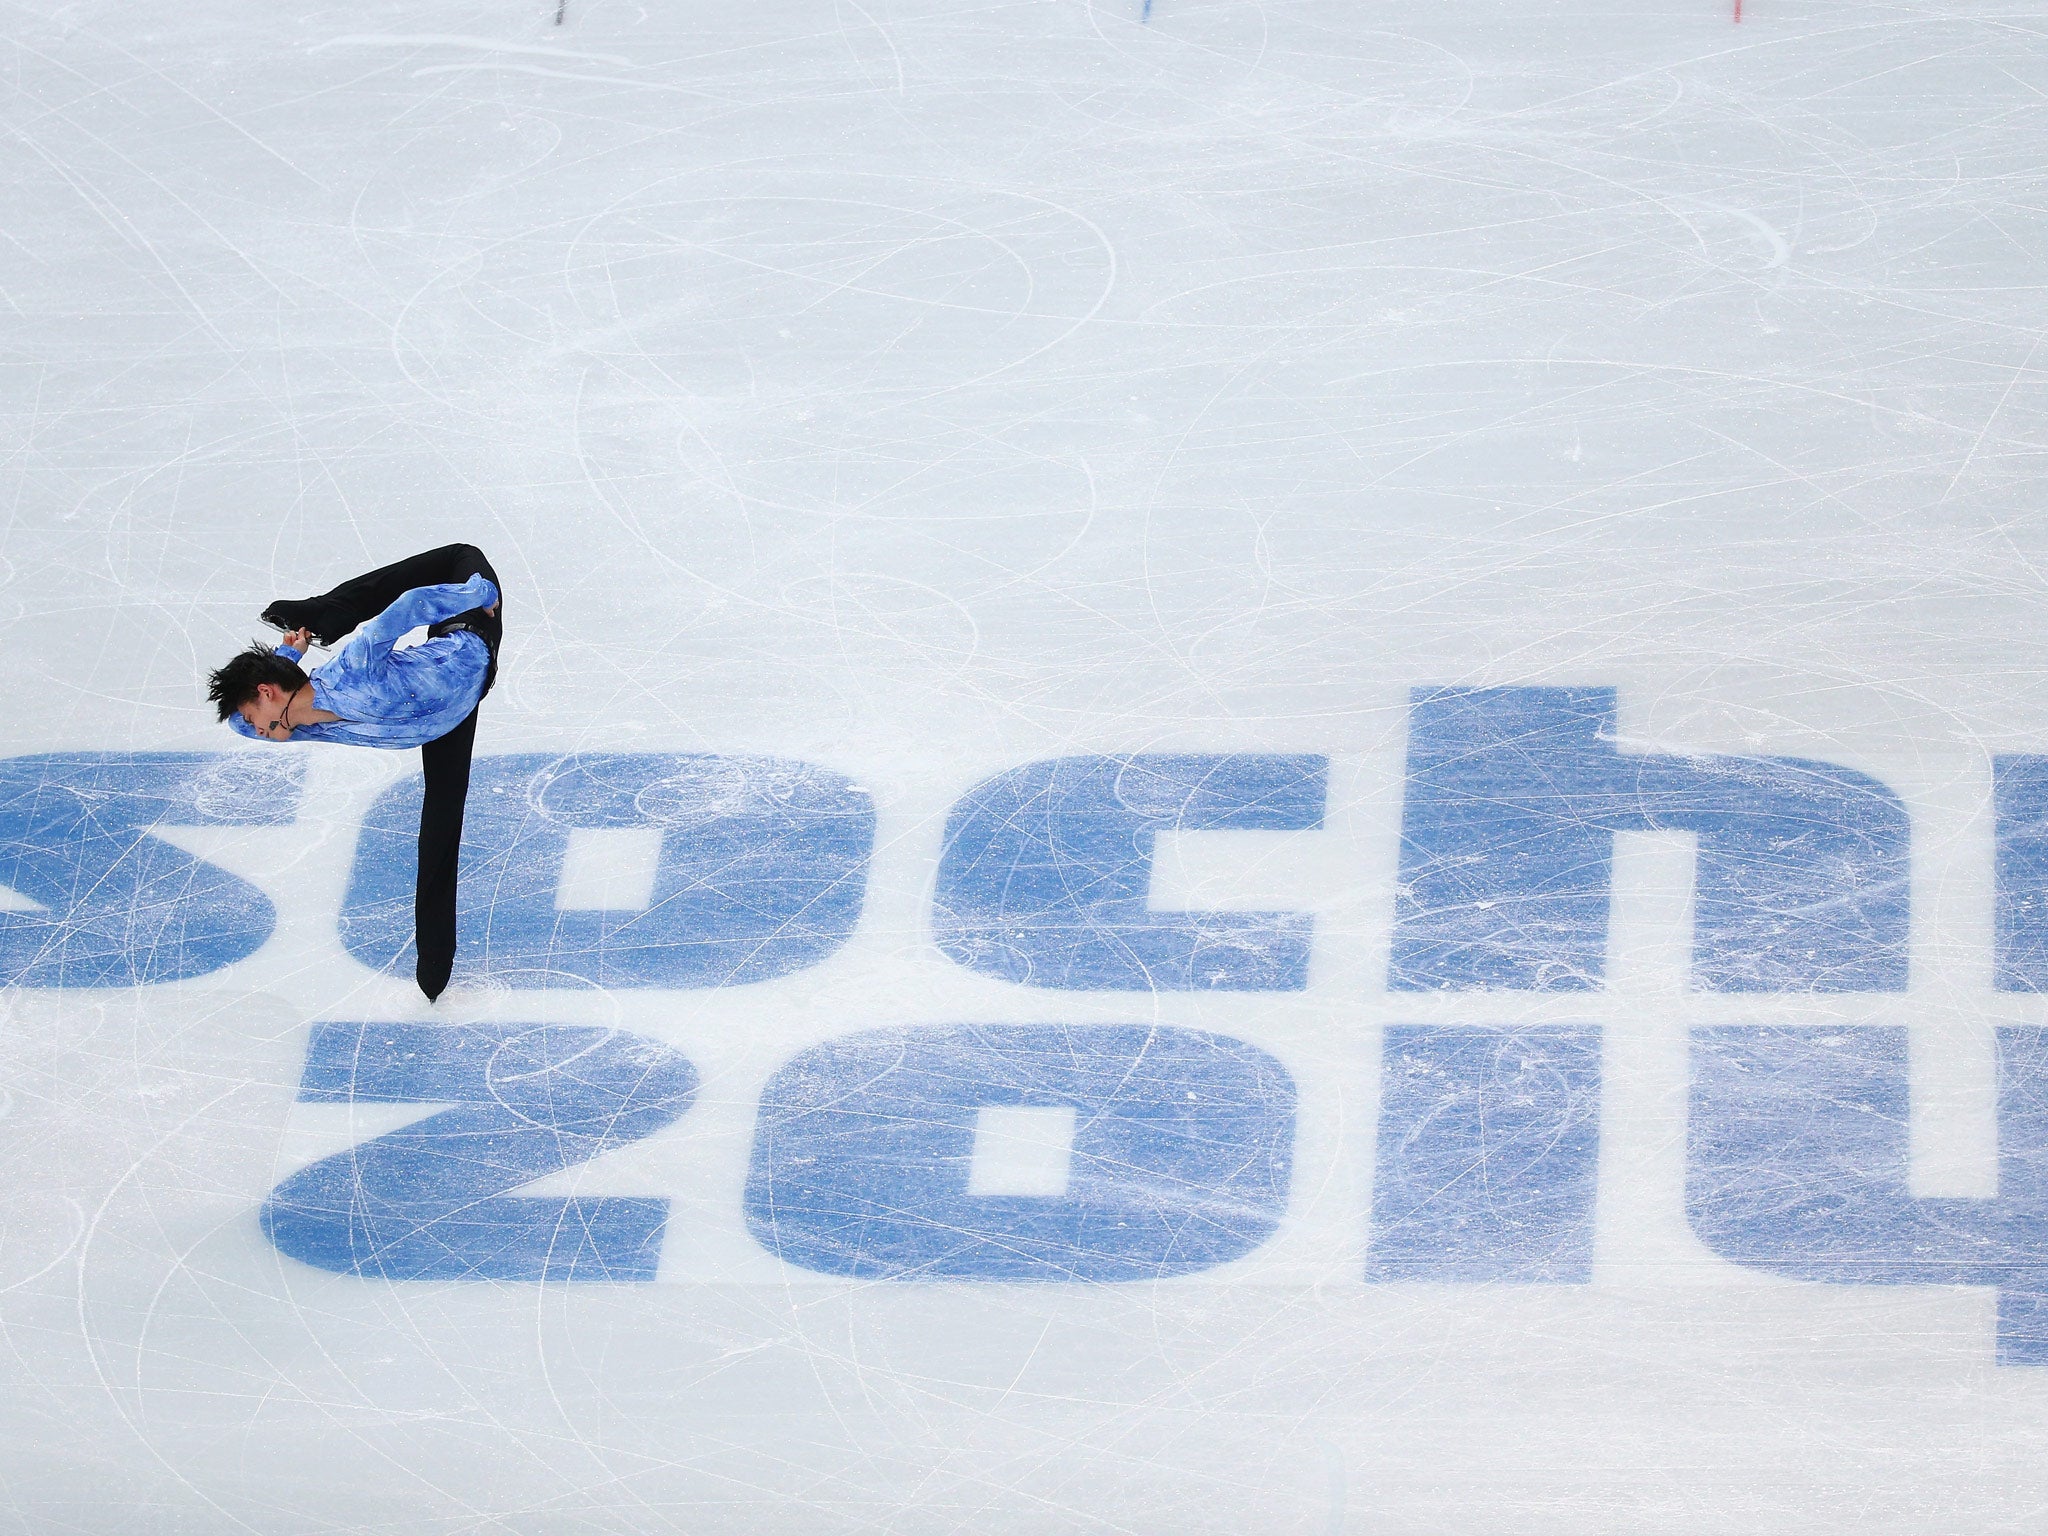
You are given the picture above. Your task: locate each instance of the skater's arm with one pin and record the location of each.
(425, 605)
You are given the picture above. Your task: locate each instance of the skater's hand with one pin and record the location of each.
(298, 640)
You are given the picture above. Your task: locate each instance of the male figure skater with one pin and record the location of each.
(369, 695)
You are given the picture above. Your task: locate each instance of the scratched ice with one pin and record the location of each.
(1266, 769)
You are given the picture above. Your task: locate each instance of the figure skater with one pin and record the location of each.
(369, 695)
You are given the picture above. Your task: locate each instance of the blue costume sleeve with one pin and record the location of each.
(424, 605)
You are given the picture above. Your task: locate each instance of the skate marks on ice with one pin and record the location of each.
(881, 1154)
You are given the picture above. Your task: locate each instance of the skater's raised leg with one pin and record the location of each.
(361, 598)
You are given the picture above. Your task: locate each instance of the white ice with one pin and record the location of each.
(924, 391)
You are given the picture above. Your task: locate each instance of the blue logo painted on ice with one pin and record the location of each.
(761, 867)
(1165, 1151)
(432, 1200)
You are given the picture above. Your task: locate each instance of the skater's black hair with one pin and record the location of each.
(232, 686)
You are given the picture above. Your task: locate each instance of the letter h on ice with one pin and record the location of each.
(1797, 1136)
(1488, 1141)
(1513, 799)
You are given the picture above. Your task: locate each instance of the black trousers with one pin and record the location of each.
(444, 762)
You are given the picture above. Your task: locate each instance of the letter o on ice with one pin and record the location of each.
(759, 867)
(871, 1153)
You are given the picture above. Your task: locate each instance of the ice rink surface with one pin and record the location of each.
(1270, 769)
